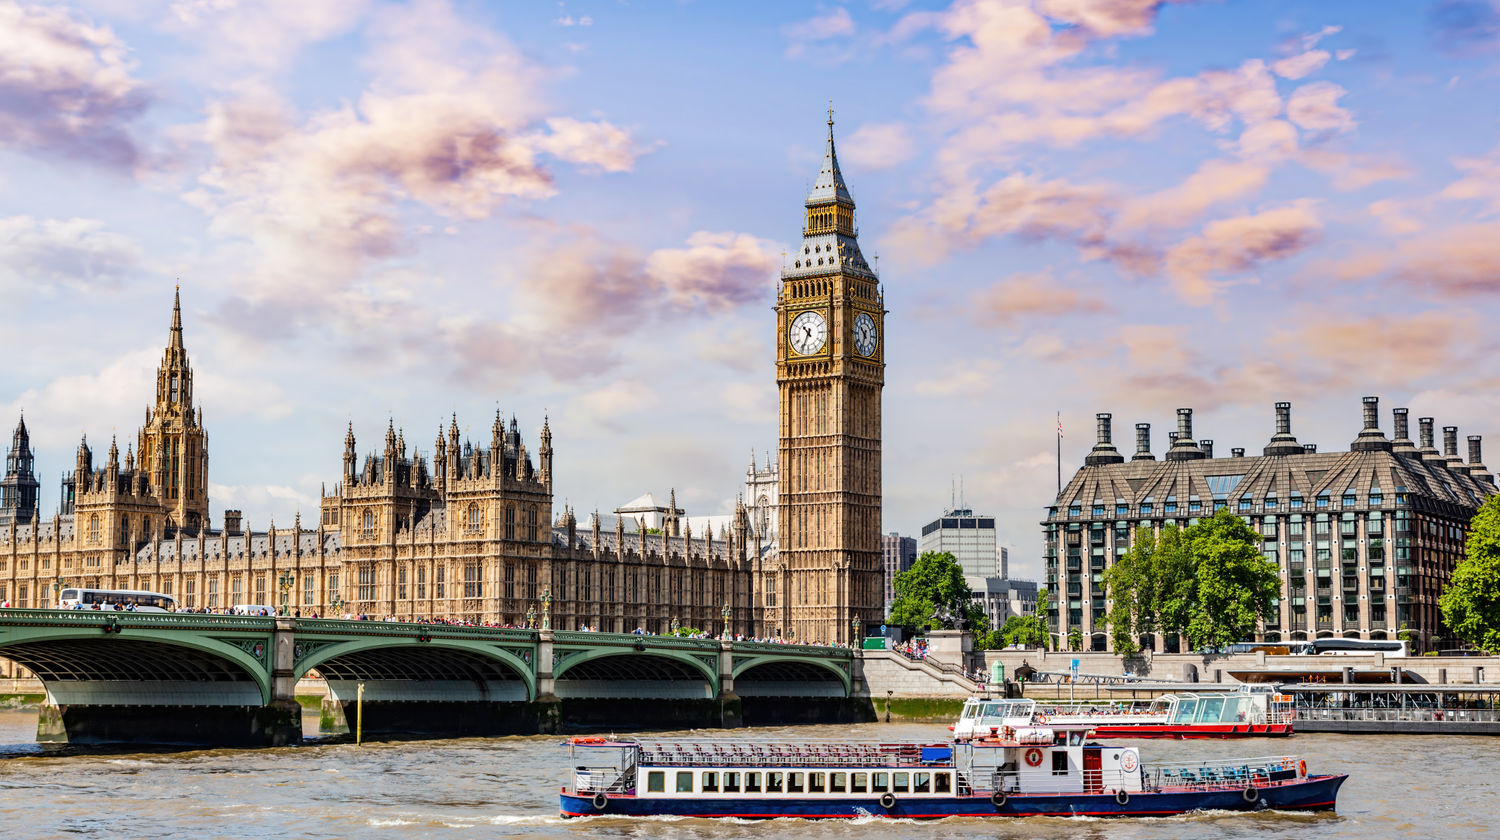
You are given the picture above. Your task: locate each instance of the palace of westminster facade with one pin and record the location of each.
(472, 534)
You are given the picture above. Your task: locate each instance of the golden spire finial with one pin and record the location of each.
(830, 113)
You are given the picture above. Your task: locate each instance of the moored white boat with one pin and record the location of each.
(1235, 714)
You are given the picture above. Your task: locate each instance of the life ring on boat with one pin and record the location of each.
(1251, 794)
(1034, 757)
(1122, 797)
(1041, 718)
(1302, 768)
(600, 801)
(997, 799)
(888, 800)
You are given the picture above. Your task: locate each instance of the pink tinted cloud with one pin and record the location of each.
(1239, 245)
(877, 146)
(1314, 107)
(66, 87)
(1031, 298)
(1215, 182)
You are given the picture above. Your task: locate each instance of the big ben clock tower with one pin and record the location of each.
(830, 369)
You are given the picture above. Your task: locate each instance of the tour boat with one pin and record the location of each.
(1030, 770)
(1239, 714)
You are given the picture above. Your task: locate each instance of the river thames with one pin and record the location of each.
(1419, 787)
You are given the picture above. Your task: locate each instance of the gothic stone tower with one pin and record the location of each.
(830, 369)
(18, 489)
(173, 447)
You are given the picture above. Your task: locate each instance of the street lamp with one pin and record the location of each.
(336, 604)
(854, 630)
(547, 609)
(724, 613)
(530, 617)
(675, 625)
(57, 587)
(285, 581)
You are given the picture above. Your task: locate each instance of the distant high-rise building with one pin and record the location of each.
(899, 553)
(970, 538)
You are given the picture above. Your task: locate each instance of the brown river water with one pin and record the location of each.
(1400, 786)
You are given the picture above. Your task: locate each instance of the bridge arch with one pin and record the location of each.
(83, 665)
(630, 672)
(482, 670)
(789, 676)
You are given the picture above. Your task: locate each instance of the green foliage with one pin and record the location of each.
(933, 587)
(1026, 630)
(1207, 582)
(1075, 639)
(686, 631)
(1231, 585)
(1471, 603)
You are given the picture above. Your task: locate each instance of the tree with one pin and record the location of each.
(1133, 587)
(933, 595)
(1471, 603)
(1230, 587)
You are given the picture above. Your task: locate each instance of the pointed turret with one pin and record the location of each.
(829, 234)
(19, 486)
(545, 453)
(349, 456)
(830, 184)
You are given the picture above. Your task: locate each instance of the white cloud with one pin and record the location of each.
(44, 254)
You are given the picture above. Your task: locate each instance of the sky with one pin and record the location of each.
(393, 212)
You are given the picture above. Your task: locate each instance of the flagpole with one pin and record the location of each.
(1059, 453)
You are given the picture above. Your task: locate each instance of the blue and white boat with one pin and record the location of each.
(1026, 770)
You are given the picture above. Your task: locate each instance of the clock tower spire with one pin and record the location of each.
(830, 370)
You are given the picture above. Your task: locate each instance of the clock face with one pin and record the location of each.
(808, 333)
(864, 334)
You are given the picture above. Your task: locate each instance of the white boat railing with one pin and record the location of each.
(1237, 773)
(588, 780)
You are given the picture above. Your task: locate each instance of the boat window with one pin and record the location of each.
(731, 781)
(1185, 709)
(684, 781)
(656, 782)
(903, 782)
(942, 782)
(752, 783)
(921, 783)
(773, 781)
(1210, 709)
(794, 783)
(836, 782)
(1059, 763)
(859, 782)
(880, 782)
(815, 782)
(710, 781)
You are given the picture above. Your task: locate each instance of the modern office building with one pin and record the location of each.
(970, 538)
(1366, 539)
(898, 553)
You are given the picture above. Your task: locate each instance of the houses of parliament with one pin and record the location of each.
(473, 534)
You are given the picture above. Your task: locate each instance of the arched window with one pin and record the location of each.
(124, 529)
(510, 522)
(94, 528)
(368, 522)
(473, 515)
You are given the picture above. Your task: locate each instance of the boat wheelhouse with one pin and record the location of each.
(1026, 770)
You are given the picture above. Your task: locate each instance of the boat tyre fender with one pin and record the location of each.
(600, 801)
(1251, 794)
(1122, 797)
(997, 799)
(888, 800)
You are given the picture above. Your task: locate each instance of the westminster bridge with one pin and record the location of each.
(230, 680)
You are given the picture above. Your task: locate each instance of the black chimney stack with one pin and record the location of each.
(1143, 443)
(1371, 439)
(1183, 447)
(1104, 451)
(1450, 451)
(1401, 441)
(1283, 443)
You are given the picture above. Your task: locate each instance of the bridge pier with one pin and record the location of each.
(731, 709)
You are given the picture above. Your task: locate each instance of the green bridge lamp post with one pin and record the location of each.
(675, 625)
(285, 581)
(725, 614)
(530, 617)
(854, 631)
(337, 605)
(57, 588)
(547, 609)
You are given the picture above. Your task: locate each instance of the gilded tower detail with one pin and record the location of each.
(830, 369)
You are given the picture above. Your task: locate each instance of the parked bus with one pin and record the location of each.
(88, 599)
(1356, 647)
